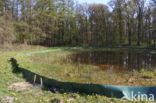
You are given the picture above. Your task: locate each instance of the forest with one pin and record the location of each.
(68, 23)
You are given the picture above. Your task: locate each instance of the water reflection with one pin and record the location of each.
(116, 60)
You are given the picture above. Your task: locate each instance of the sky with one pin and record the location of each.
(93, 1)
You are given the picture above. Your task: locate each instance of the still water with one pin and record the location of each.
(121, 60)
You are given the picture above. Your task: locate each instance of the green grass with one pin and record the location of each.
(148, 74)
(54, 65)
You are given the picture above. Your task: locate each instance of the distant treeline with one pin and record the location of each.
(66, 23)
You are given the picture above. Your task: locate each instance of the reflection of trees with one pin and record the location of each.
(128, 59)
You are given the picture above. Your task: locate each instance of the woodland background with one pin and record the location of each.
(67, 23)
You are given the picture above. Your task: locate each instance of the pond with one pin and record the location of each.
(98, 66)
(117, 61)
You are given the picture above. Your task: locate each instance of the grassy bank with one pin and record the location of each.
(55, 65)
